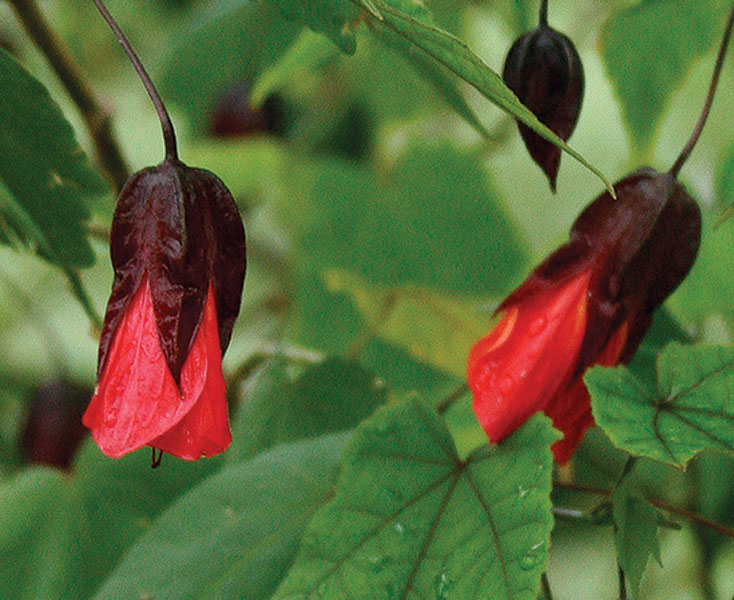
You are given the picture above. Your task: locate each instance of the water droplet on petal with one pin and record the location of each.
(506, 385)
(537, 326)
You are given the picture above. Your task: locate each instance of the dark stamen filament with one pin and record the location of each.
(169, 136)
(688, 148)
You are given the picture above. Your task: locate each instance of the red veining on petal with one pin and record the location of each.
(204, 431)
(528, 356)
(136, 398)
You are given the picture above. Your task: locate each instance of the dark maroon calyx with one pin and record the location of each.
(181, 228)
(545, 72)
(637, 249)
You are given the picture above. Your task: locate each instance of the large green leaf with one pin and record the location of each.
(690, 411)
(60, 533)
(636, 525)
(235, 534)
(648, 48)
(231, 42)
(332, 396)
(433, 220)
(45, 178)
(410, 520)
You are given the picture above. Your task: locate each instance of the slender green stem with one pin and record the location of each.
(674, 510)
(688, 148)
(546, 586)
(543, 15)
(169, 136)
(452, 398)
(97, 120)
(626, 470)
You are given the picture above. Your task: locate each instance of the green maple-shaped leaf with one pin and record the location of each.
(691, 411)
(636, 525)
(410, 520)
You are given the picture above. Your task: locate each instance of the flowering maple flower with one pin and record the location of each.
(590, 302)
(178, 251)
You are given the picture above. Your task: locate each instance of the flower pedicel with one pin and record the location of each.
(178, 251)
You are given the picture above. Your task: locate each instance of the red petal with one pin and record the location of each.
(571, 409)
(136, 398)
(528, 356)
(204, 431)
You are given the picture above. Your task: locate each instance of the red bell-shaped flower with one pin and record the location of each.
(178, 250)
(590, 302)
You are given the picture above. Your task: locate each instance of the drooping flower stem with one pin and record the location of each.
(688, 148)
(543, 15)
(169, 136)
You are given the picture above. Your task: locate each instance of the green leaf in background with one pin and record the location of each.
(648, 48)
(635, 532)
(688, 413)
(709, 287)
(436, 329)
(61, 533)
(431, 70)
(382, 225)
(725, 187)
(45, 178)
(409, 520)
(234, 535)
(336, 19)
(328, 397)
(232, 42)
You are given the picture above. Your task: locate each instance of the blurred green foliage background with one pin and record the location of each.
(382, 231)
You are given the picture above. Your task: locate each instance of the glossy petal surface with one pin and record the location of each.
(528, 357)
(204, 431)
(137, 399)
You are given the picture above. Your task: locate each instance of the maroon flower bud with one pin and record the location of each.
(54, 430)
(545, 72)
(178, 250)
(234, 116)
